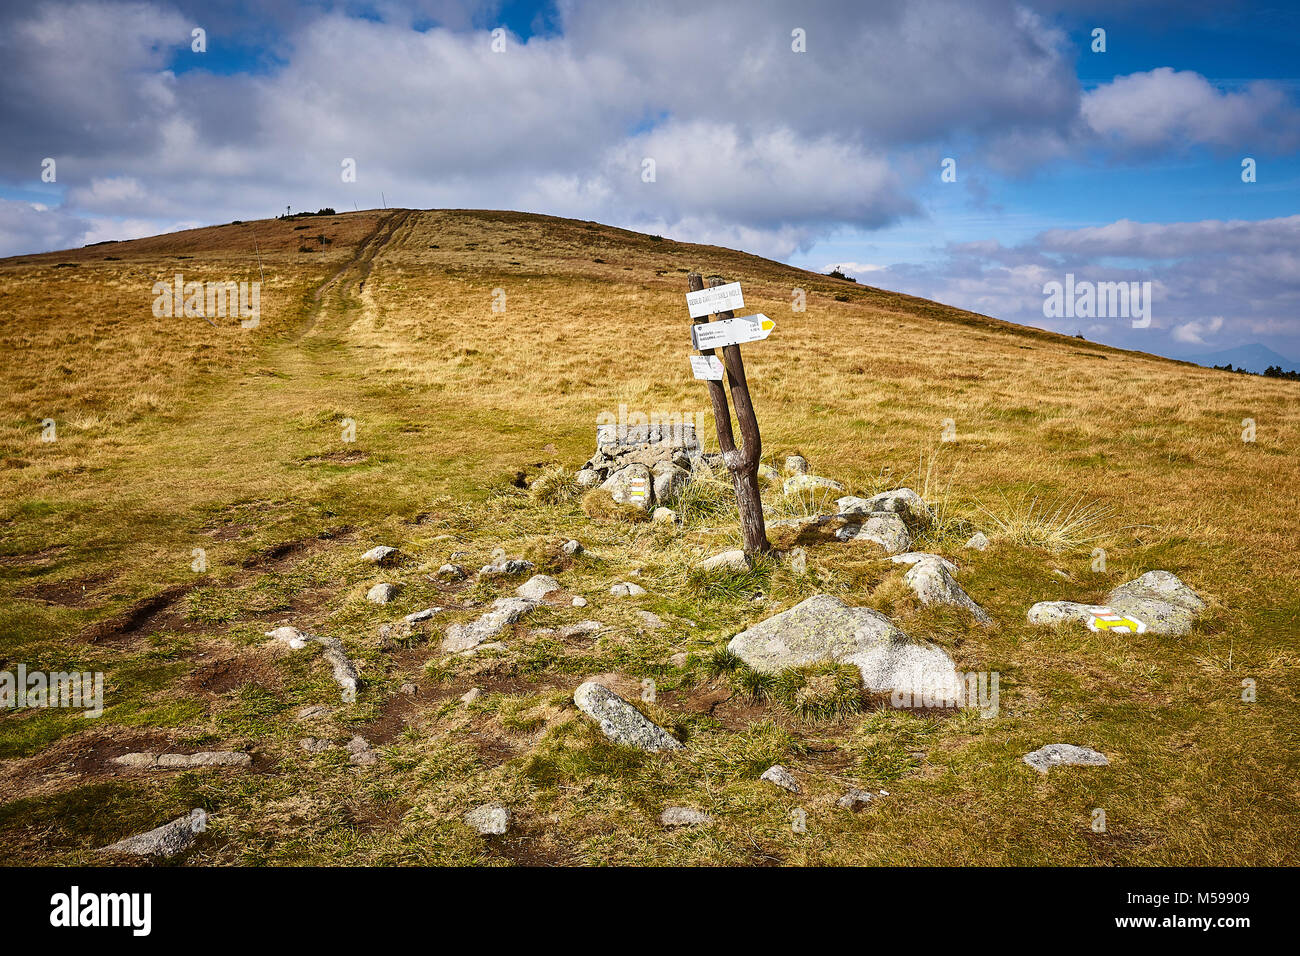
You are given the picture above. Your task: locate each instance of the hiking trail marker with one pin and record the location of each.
(727, 334)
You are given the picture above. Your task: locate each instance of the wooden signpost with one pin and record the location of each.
(722, 299)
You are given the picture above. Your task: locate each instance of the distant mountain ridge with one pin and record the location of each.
(1253, 358)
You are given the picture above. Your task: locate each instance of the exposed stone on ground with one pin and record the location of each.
(452, 571)
(538, 587)
(572, 547)
(579, 629)
(933, 583)
(580, 601)
(381, 554)
(627, 589)
(395, 631)
(1061, 612)
(683, 817)
(491, 819)
(632, 485)
(291, 636)
(651, 620)
(797, 483)
(884, 528)
(314, 745)
(382, 593)
(164, 841)
(1160, 600)
(471, 695)
(736, 560)
(359, 753)
(769, 475)
(911, 557)
(669, 479)
(503, 567)
(409, 689)
(796, 465)
(424, 615)
(1064, 755)
(312, 710)
(824, 628)
(664, 516)
(779, 776)
(170, 761)
(854, 800)
(620, 721)
(504, 612)
(904, 502)
(978, 542)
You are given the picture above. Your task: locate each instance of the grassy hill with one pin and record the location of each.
(174, 434)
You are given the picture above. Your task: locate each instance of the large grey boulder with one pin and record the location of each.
(504, 612)
(903, 502)
(912, 557)
(491, 819)
(801, 483)
(933, 583)
(164, 841)
(620, 721)
(537, 587)
(632, 485)
(883, 528)
(824, 628)
(1064, 755)
(1159, 600)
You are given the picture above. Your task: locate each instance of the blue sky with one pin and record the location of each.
(1123, 165)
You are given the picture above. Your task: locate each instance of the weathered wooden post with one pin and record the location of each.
(743, 462)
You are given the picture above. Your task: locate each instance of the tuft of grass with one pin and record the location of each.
(1054, 525)
(554, 486)
(824, 691)
(707, 495)
(757, 685)
(598, 504)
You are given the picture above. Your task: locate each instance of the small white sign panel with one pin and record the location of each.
(716, 335)
(722, 298)
(707, 367)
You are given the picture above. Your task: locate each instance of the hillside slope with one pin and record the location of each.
(382, 399)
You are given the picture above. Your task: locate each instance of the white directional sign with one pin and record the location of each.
(715, 335)
(707, 367)
(722, 298)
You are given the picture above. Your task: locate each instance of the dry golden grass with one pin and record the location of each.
(174, 435)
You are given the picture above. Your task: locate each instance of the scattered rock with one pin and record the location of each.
(824, 628)
(424, 615)
(312, 710)
(538, 587)
(314, 745)
(491, 819)
(620, 721)
(1064, 755)
(344, 671)
(1061, 612)
(934, 584)
(883, 528)
(904, 502)
(504, 612)
(381, 554)
(627, 589)
(471, 695)
(796, 465)
(291, 636)
(579, 629)
(769, 475)
(360, 754)
(504, 567)
(164, 841)
(854, 800)
(170, 761)
(1160, 600)
(736, 560)
(664, 516)
(779, 776)
(911, 557)
(409, 689)
(580, 602)
(978, 542)
(587, 478)
(382, 593)
(669, 479)
(683, 817)
(572, 547)
(451, 571)
(797, 483)
(651, 620)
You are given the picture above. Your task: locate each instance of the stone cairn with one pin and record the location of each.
(644, 465)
